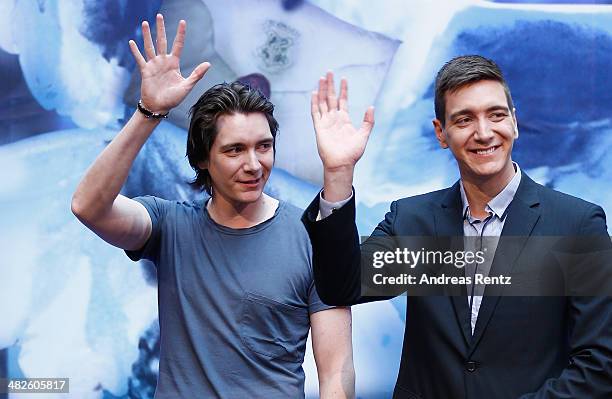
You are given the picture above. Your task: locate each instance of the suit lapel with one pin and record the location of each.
(523, 214)
(449, 224)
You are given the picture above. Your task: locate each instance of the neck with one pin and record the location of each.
(241, 215)
(481, 190)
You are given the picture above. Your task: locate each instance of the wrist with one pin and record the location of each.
(337, 184)
(151, 113)
(139, 118)
(344, 170)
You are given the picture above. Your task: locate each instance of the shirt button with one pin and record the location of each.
(470, 366)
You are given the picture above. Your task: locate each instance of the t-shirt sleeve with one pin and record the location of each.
(314, 302)
(157, 209)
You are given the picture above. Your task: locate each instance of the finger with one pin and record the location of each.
(332, 101)
(368, 121)
(148, 41)
(140, 61)
(179, 39)
(344, 95)
(314, 108)
(162, 44)
(322, 95)
(197, 74)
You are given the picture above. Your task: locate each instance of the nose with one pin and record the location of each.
(251, 163)
(484, 132)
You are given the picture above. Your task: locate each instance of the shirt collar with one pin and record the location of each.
(501, 201)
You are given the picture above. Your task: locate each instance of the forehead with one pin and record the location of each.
(242, 128)
(476, 96)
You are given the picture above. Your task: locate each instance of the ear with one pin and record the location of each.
(203, 165)
(440, 135)
(516, 132)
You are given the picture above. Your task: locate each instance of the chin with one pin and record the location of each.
(249, 197)
(484, 171)
(490, 171)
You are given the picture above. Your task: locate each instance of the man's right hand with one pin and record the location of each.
(163, 87)
(339, 143)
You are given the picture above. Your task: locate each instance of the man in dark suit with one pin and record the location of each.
(474, 341)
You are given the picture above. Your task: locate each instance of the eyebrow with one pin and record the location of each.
(467, 111)
(239, 144)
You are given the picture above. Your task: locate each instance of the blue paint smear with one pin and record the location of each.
(291, 5)
(21, 116)
(111, 23)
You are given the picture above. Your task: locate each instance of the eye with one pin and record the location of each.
(265, 146)
(498, 116)
(233, 150)
(463, 121)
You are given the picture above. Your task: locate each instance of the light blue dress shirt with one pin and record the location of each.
(479, 234)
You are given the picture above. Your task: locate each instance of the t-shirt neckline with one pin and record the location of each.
(242, 231)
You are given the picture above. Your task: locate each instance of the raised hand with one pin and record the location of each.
(339, 143)
(163, 87)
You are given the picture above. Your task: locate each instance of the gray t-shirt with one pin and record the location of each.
(234, 304)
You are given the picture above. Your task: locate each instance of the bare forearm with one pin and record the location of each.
(105, 177)
(340, 385)
(333, 352)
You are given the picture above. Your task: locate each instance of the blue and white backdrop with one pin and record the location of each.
(73, 306)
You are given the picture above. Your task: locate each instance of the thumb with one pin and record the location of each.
(197, 74)
(368, 121)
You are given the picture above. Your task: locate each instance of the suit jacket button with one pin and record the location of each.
(470, 366)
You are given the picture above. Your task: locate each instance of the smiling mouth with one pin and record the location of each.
(250, 182)
(485, 151)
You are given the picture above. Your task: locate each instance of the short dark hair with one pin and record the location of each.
(221, 99)
(462, 71)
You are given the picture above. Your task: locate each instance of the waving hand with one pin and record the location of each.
(163, 87)
(340, 144)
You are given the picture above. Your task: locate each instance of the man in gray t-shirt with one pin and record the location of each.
(240, 299)
(236, 291)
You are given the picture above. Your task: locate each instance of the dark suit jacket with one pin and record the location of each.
(522, 346)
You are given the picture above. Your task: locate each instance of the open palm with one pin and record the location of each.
(339, 143)
(163, 87)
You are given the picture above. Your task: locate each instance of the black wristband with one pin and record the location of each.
(148, 113)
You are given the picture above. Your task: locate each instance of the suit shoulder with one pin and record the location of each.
(573, 215)
(568, 203)
(422, 200)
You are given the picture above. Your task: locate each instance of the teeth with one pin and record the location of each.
(485, 152)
